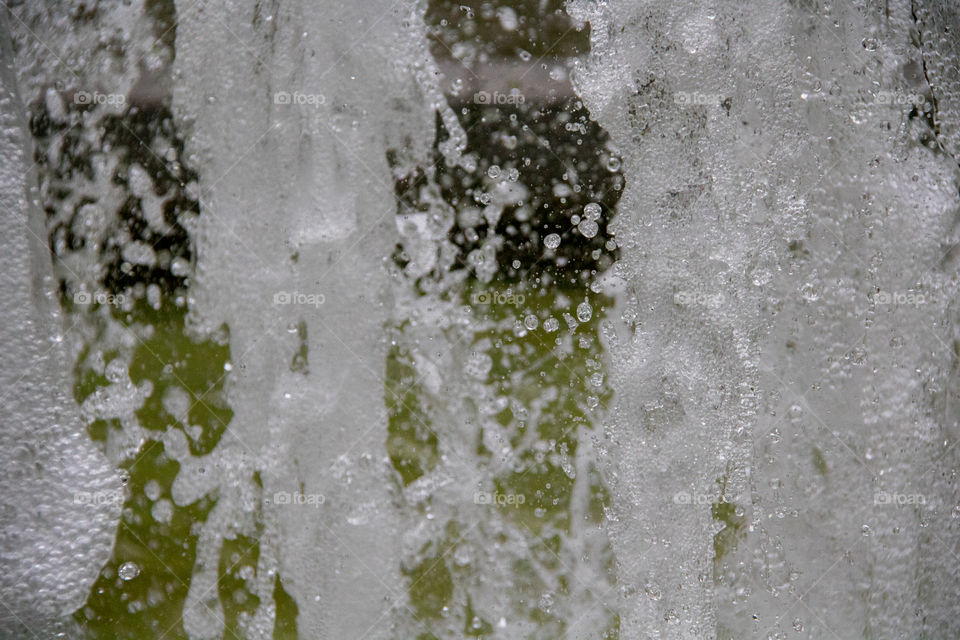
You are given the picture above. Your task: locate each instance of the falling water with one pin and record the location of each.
(419, 319)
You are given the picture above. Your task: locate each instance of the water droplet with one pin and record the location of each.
(588, 228)
(546, 602)
(531, 322)
(551, 324)
(552, 241)
(162, 511)
(613, 164)
(179, 267)
(761, 276)
(810, 292)
(584, 312)
(592, 211)
(479, 365)
(152, 490)
(128, 571)
(508, 18)
(494, 171)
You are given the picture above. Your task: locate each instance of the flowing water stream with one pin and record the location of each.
(527, 319)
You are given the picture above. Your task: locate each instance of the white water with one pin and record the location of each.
(300, 203)
(59, 498)
(799, 203)
(771, 195)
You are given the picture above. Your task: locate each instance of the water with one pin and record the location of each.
(518, 320)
